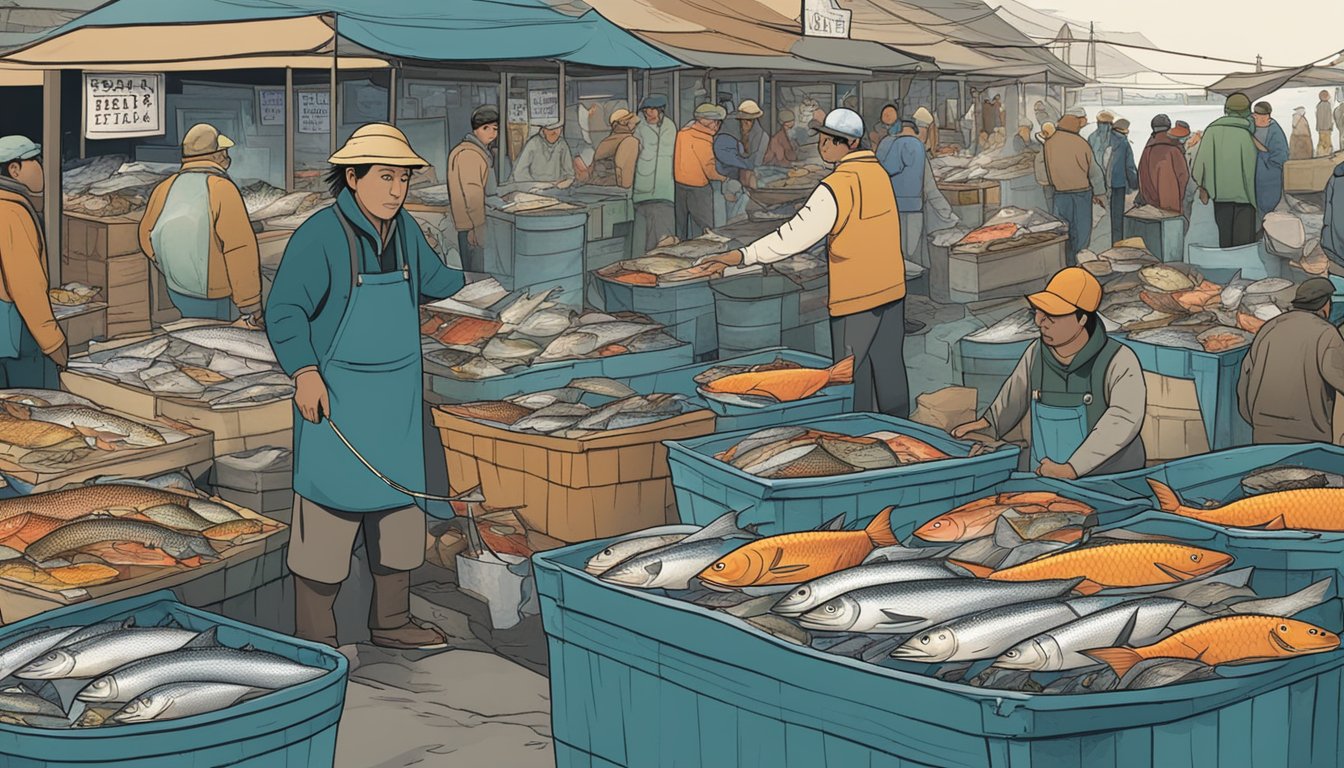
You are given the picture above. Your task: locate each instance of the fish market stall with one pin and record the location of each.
(174, 685)
(487, 343)
(220, 378)
(49, 439)
(80, 314)
(796, 476)
(905, 658)
(1014, 253)
(1162, 232)
(579, 462)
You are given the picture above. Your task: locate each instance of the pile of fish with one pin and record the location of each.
(109, 185)
(1008, 529)
(1011, 228)
(782, 453)
(559, 412)
(48, 427)
(72, 298)
(1021, 326)
(483, 332)
(1114, 611)
(1295, 235)
(121, 674)
(991, 165)
(223, 365)
(670, 262)
(778, 381)
(93, 534)
(799, 177)
(1174, 306)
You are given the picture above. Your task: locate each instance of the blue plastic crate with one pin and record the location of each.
(638, 679)
(1220, 264)
(538, 250)
(291, 728)
(830, 401)
(705, 486)
(985, 366)
(812, 337)
(536, 378)
(750, 311)
(1164, 238)
(1215, 375)
(686, 310)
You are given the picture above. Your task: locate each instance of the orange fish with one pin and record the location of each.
(1229, 640)
(978, 518)
(1249, 323)
(912, 450)
(611, 350)
(635, 278)
(1303, 509)
(785, 386)
(129, 553)
(1127, 564)
(233, 529)
(80, 575)
(991, 233)
(793, 558)
(23, 529)
(468, 331)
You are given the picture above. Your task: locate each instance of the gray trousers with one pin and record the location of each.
(912, 238)
(876, 339)
(694, 211)
(654, 220)
(473, 258)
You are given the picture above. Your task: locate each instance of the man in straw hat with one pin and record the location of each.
(754, 138)
(344, 321)
(854, 211)
(694, 168)
(1224, 170)
(546, 158)
(197, 232)
(32, 345)
(616, 156)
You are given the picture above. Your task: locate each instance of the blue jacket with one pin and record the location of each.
(730, 156)
(1124, 174)
(903, 157)
(1269, 170)
(1332, 235)
(312, 285)
(1100, 140)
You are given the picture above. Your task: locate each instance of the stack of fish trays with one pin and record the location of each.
(686, 310)
(290, 728)
(543, 376)
(984, 366)
(538, 251)
(1221, 264)
(705, 486)
(751, 309)
(1284, 561)
(831, 401)
(260, 480)
(1215, 375)
(638, 679)
(1164, 238)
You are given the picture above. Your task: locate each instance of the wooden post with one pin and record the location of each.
(392, 96)
(630, 90)
(335, 77)
(560, 93)
(51, 170)
(503, 156)
(290, 127)
(676, 99)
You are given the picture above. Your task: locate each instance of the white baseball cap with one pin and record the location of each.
(841, 123)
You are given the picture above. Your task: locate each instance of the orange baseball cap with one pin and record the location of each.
(1070, 290)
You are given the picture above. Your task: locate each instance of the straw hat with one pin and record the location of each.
(377, 144)
(622, 116)
(204, 139)
(748, 110)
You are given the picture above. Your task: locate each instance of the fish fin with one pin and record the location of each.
(1119, 659)
(1005, 535)
(786, 569)
(249, 648)
(1274, 525)
(1127, 632)
(836, 523)
(1087, 587)
(207, 639)
(723, 526)
(754, 529)
(842, 372)
(976, 570)
(195, 561)
(1172, 572)
(900, 619)
(1167, 499)
(17, 410)
(654, 568)
(879, 531)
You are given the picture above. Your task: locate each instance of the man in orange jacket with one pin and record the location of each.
(693, 168)
(32, 345)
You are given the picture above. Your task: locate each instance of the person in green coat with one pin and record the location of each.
(343, 319)
(655, 217)
(1224, 170)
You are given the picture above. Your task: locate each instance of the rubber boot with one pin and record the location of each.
(390, 624)
(314, 611)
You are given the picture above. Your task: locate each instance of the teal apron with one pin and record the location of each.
(374, 382)
(1060, 421)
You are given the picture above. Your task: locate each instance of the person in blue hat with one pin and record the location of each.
(32, 345)
(655, 210)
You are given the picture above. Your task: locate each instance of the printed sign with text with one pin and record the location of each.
(122, 105)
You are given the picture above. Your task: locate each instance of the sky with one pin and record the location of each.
(1284, 32)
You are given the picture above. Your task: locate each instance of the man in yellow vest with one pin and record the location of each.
(32, 345)
(854, 210)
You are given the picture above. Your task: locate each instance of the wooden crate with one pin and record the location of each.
(986, 193)
(1010, 273)
(105, 253)
(1173, 425)
(1303, 176)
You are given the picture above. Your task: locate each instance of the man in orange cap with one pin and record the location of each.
(1083, 392)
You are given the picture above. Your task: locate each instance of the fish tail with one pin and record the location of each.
(842, 372)
(879, 531)
(1167, 500)
(1119, 659)
(977, 570)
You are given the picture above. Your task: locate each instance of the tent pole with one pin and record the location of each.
(676, 99)
(331, 98)
(51, 170)
(290, 127)
(502, 156)
(560, 94)
(392, 95)
(630, 89)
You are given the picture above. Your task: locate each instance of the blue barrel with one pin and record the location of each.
(1221, 264)
(535, 251)
(1164, 238)
(290, 728)
(750, 311)
(815, 337)
(686, 310)
(985, 366)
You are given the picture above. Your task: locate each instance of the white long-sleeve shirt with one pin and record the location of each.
(813, 222)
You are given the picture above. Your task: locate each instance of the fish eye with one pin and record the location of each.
(801, 593)
(831, 609)
(938, 525)
(1194, 558)
(1283, 627)
(1312, 632)
(719, 566)
(924, 640)
(1012, 654)
(606, 552)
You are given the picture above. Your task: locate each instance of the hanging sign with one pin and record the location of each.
(271, 106)
(123, 105)
(314, 112)
(543, 105)
(517, 111)
(824, 18)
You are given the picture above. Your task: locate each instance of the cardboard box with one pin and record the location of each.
(93, 238)
(105, 252)
(945, 409)
(1173, 427)
(573, 490)
(1009, 273)
(1302, 176)
(84, 327)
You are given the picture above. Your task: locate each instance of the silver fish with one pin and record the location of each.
(826, 588)
(603, 386)
(172, 481)
(83, 417)
(1268, 286)
(517, 312)
(539, 400)
(218, 665)
(1169, 337)
(918, 605)
(620, 551)
(652, 341)
(552, 418)
(175, 700)
(1267, 312)
(987, 634)
(1137, 623)
(590, 338)
(450, 358)
(780, 459)
(510, 349)
(781, 628)
(1155, 673)
(239, 342)
(213, 511)
(148, 350)
(546, 324)
(476, 369)
(1273, 479)
(1234, 292)
(1128, 314)
(675, 565)
(172, 382)
(767, 437)
(1291, 605)
(42, 397)
(104, 653)
(228, 365)
(256, 393)
(181, 518)
(21, 652)
(21, 701)
(126, 364)
(1019, 326)
(593, 318)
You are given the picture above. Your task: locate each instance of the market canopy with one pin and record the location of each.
(153, 33)
(1260, 84)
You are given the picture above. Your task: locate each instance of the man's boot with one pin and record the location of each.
(390, 622)
(314, 611)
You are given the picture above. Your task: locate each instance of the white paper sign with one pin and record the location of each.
(824, 18)
(517, 111)
(271, 106)
(544, 106)
(123, 106)
(314, 112)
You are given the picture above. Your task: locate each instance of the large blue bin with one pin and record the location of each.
(830, 401)
(984, 366)
(686, 310)
(638, 679)
(1221, 264)
(535, 251)
(1215, 375)
(1284, 561)
(752, 310)
(705, 486)
(1164, 238)
(291, 728)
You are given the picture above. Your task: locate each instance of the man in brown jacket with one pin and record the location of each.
(1163, 173)
(32, 345)
(1293, 371)
(615, 158)
(783, 150)
(197, 232)
(469, 175)
(1076, 177)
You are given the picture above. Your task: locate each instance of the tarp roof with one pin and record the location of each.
(1258, 84)
(176, 31)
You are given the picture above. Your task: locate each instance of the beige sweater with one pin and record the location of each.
(1289, 379)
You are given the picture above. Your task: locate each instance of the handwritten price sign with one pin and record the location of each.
(123, 106)
(824, 18)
